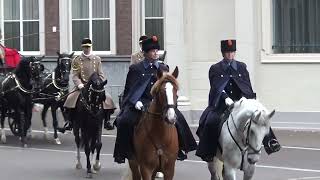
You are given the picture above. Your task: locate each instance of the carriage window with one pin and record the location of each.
(296, 25)
(21, 24)
(91, 18)
(154, 20)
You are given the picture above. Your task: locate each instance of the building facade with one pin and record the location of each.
(279, 40)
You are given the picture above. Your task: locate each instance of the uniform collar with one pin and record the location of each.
(147, 64)
(226, 63)
(85, 56)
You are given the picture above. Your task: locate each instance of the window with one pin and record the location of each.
(91, 18)
(21, 24)
(296, 25)
(154, 19)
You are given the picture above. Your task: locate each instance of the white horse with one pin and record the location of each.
(241, 139)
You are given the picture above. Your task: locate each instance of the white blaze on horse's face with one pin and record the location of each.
(171, 114)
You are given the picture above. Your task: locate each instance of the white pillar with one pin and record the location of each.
(246, 34)
(136, 24)
(65, 26)
(175, 47)
(1, 22)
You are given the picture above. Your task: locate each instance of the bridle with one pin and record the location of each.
(244, 138)
(88, 104)
(164, 108)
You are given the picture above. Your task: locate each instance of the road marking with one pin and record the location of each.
(51, 132)
(301, 148)
(296, 128)
(114, 136)
(279, 127)
(303, 178)
(191, 161)
(269, 167)
(305, 123)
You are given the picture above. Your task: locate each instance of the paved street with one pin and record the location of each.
(42, 160)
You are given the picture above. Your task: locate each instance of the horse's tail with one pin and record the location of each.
(127, 175)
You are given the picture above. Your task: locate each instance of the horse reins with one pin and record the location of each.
(246, 143)
(86, 104)
(54, 82)
(159, 149)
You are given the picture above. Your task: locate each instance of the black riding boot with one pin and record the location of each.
(68, 123)
(107, 124)
(181, 155)
(208, 142)
(271, 144)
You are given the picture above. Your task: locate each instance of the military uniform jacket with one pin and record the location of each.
(232, 78)
(136, 58)
(82, 68)
(140, 80)
(220, 78)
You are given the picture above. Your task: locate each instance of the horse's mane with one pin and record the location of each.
(251, 106)
(166, 77)
(23, 68)
(93, 77)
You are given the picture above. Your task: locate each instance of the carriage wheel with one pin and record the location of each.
(14, 126)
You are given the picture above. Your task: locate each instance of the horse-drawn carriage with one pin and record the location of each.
(27, 84)
(12, 59)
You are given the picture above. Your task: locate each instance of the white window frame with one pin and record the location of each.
(143, 23)
(266, 53)
(112, 18)
(41, 28)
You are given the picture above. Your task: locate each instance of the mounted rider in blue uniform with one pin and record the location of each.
(140, 79)
(229, 81)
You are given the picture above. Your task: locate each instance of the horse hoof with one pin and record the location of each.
(24, 145)
(57, 141)
(79, 166)
(89, 175)
(3, 139)
(45, 134)
(45, 137)
(94, 171)
(159, 175)
(97, 166)
(29, 136)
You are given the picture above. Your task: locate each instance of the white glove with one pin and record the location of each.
(80, 86)
(58, 97)
(229, 102)
(138, 105)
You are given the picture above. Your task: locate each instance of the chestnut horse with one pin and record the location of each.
(155, 137)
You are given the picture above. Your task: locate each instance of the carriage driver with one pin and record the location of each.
(140, 79)
(229, 81)
(83, 67)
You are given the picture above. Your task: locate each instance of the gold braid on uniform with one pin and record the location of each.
(75, 65)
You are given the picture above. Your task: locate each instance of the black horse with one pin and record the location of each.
(87, 117)
(16, 95)
(55, 88)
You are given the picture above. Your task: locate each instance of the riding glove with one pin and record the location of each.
(229, 102)
(80, 86)
(138, 105)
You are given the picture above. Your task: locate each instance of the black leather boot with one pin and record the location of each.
(181, 155)
(107, 124)
(273, 146)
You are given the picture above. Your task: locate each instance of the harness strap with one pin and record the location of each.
(241, 150)
(56, 85)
